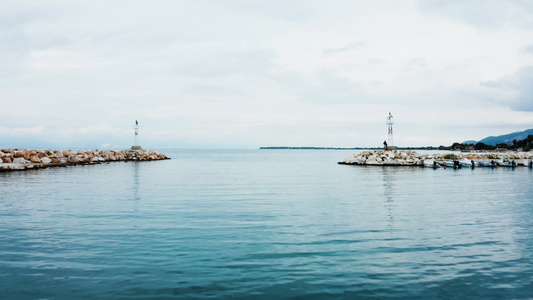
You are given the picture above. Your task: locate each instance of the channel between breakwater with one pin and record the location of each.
(25, 159)
(413, 158)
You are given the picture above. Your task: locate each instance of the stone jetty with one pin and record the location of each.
(24, 159)
(412, 158)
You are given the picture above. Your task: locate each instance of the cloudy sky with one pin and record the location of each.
(251, 73)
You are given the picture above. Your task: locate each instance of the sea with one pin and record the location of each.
(265, 224)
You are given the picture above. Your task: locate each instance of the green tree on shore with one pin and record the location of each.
(524, 145)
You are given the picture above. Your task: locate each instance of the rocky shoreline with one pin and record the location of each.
(412, 158)
(25, 159)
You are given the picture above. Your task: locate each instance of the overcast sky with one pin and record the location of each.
(251, 73)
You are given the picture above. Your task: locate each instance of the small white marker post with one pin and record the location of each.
(136, 146)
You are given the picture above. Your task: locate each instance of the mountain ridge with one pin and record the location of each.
(503, 139)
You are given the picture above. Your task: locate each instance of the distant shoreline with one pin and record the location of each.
(343, 148)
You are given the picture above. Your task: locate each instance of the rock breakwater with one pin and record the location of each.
(24, 159)
(412, 158)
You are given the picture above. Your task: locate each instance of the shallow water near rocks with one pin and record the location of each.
(265, 224)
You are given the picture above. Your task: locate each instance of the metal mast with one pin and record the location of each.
(390, 122)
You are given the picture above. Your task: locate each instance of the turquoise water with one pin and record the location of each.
(265, 224)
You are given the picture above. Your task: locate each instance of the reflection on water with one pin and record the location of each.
(136, 195)
(388, 182)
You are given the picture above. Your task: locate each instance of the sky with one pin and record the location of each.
(252, 73)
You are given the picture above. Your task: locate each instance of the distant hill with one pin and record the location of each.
(503, 139)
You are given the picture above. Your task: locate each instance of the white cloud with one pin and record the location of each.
(349, 47)
(519, 85)
(253, 73)
(21, 131)
(486, 14)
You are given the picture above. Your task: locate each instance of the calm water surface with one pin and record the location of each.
(265, 224)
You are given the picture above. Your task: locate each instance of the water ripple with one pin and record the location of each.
(265, 225)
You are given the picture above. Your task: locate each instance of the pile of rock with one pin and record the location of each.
(498, 156)
(412, 158)
(386, 158)
(22, 159)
